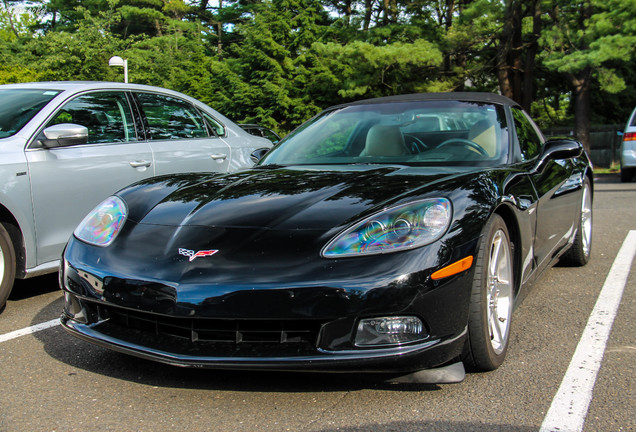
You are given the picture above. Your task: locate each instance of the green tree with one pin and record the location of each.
(15, 29)
(582, 43)
(267, 81)
(277, 62)
(362, 70)
(80, 54)
(174, 60)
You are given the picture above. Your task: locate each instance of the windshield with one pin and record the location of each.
(411, 133)
(19, 106)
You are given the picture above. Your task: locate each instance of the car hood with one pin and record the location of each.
(203, 238)
(283, 199)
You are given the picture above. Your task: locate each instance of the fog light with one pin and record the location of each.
(389, 331)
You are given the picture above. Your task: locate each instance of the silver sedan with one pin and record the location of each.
(65, 146)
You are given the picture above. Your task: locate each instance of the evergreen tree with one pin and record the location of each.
(278, 62)
(584, 40)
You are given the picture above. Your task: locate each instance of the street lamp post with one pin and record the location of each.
(118, 61)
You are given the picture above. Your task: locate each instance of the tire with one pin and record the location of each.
(492, 300)
(626, 175)
(7, 265)
(579, 253)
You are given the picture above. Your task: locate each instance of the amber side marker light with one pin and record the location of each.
(453, 269)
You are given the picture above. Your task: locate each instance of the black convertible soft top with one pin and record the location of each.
(460, 96)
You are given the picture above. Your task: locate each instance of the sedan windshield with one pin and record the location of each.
(19, 106)
(409, 133)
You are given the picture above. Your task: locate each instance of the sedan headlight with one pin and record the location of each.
(403, 227)
(102, 225)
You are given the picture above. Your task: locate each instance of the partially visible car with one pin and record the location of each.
(628, 150)
(65, 146)
(261, 131)
(358, 243)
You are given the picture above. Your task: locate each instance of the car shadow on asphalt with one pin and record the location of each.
(26, 288)
(82, 355)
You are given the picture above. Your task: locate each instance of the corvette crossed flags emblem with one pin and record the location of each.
(192, 254)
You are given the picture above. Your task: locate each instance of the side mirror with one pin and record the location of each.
(63, 135)
(558, 149)
(258, 154)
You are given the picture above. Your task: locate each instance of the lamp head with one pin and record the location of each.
(116, 61)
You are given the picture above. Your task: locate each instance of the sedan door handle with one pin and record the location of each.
(140, 164)
(220, 157)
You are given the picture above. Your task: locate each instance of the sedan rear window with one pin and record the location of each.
(19, 106)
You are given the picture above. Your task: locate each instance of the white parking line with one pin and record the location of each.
(29, 330)
(569, 407)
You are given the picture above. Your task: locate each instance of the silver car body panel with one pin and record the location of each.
(49, 191)
(68, 182)
(628, 148)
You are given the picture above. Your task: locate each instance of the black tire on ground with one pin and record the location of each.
(579, 253)
(7, 265)
(492, 300)
(626, 175)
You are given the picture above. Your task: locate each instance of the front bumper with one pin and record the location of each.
(404, 359)
(308, 326)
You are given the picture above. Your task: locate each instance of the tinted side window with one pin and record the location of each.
(170, 118)
(529, 140)
(106, 115)
(217, 127)
(19, 106)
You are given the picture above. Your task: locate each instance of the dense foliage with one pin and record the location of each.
(278, 62)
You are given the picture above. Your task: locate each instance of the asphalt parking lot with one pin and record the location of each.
(54, 382)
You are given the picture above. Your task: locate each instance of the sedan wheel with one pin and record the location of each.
(7, 265)
(492, 300)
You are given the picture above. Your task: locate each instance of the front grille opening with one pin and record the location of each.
(210, 330)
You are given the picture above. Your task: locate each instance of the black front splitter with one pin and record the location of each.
(403, 364)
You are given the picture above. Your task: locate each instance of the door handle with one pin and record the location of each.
(219, 157)
(140, 164)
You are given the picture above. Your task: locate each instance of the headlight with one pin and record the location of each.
(403, 227)
(102, 225)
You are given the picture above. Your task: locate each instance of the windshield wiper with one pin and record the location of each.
(270, 166)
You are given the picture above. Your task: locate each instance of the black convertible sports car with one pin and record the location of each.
(390, 235)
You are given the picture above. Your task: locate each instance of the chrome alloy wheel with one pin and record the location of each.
(499, 294)
(586, 220)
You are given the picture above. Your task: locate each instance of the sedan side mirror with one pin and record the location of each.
(558, 149)
(63, 135)
(258, 154)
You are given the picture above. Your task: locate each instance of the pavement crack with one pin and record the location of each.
(321, 414)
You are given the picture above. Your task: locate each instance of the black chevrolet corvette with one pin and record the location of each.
(392, 235)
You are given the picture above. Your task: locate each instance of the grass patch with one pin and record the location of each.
(613, 169)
